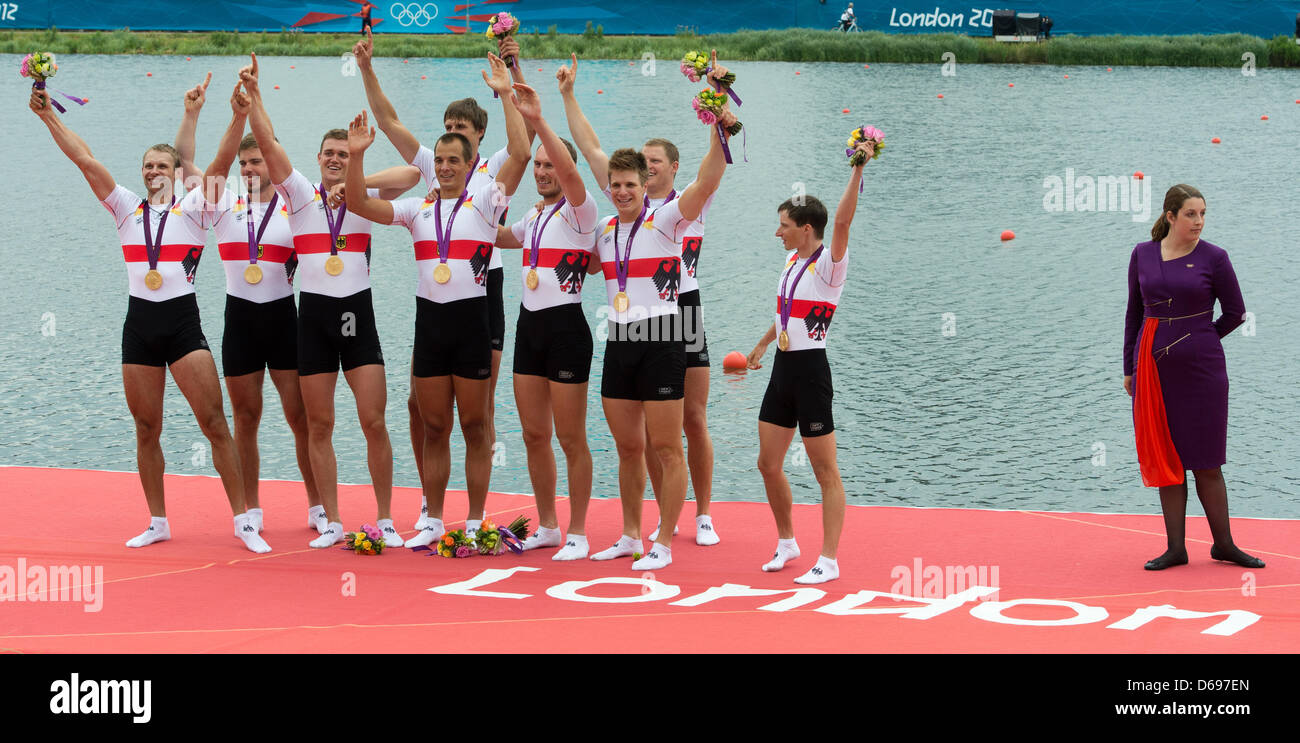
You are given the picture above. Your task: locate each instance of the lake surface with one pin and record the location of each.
(969, 372)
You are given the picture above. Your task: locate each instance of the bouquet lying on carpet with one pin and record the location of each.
(864, 134)
(493, 540)
(455, 544)
(368, 541)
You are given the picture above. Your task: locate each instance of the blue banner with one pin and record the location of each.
(1266, 18)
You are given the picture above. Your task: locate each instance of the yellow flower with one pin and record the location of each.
(852, 140)
(366, 544)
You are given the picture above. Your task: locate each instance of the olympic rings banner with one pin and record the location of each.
(1266, 18)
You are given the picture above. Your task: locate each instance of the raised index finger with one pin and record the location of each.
(574, 56)
(254, 56)
(206, 80)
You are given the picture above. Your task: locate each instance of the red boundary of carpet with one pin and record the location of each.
(202, 592)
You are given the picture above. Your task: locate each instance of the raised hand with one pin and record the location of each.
(248, 75)
(718, 71)
(40, 103)
(507, 47)
(527, 101)
(240, 102)
(500, 80)
(336, 194)
(567, 76)
(195, 97)
(727, 119)
(868, 148)
(360, 134)
(364, 50)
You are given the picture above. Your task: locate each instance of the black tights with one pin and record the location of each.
(1213, 493)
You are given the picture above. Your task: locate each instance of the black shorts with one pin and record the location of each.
(800, 392)
(697, 346)
(161, 333)
(451, 338)
(259, 335)
(645, 370)
(496, 280)
(554, 343)
(334, 331)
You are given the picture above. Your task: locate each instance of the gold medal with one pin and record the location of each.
(531, 280)
(253, 274)
(442, 274)
(334, 265)
(153, 279)
(621, 302)
(783, 341)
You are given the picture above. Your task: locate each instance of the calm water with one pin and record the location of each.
(1017, 405)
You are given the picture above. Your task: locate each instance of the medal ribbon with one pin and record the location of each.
(787, 300)
(151, 250)
(621, 268)
(253, 243)
(539, 227)
(336, 226)
(472, 169)
(671, 195)
(444, 241)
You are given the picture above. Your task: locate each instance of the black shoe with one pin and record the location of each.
(1242, 559)
(1166, 561)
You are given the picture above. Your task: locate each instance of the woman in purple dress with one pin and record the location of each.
(1175, 370)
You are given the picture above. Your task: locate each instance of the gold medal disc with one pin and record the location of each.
(621, 302)
(253, 274)
(531, 280)
(783, 341)
(334, 265)
(153, 279)
(442, 274)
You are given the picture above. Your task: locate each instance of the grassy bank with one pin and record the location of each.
(790, 45)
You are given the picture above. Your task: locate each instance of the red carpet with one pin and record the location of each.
(202, 592)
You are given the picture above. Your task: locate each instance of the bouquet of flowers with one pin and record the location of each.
(864, 134)
(494, 540)
(456, 544)
(708, 107)
(368, 541)
(40, 66)
(501, 25)
(695, 66)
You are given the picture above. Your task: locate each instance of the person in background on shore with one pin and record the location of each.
(467, 118)
(162, 327)
(800, 389)
(454, 230)
(847, 19)
(662, 159)
(553, 343)
(1174, 369)
(336, 317)
(365, 17)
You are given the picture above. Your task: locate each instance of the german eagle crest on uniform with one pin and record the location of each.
(667, 278)
(478, 262)
(818, 320)
(571, 270)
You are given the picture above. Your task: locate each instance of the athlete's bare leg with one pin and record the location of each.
(318, 402)
(626, 420)
(699, 445)
(533, 400)
(664, 426)
(371, 393)
(569, 406)
(246, 409)
(821, 455)
(196, 376)
(295, 414)
(144, 397)
(472, 408)
(435, 396)
(773, 443)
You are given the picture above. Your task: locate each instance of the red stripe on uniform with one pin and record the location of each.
(138, 254)
(800, 307)
(640, 268)
(461, 250)
(320, 243)
(238, 251)
(550, 257)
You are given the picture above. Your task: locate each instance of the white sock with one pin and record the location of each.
(316, 519)
(246, 530)
(423, 521)
(472, 525)
(391, 537)
(255, 518)
(328, 538)
(544, 538)
(704, 533)
(659, 524)
(825, 569)
(158, 531)
(432, 532)
(786, 550)
(659, 556)
(624, 547)
(575, 548)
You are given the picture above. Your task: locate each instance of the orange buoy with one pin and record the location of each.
(846, 110)
(1008, 235)
(1011, 85)
(866, 66)
(1139, 175)
(1108, 69)
(1214, 141)
(406, 61)
(796, 72)
(148, 74)
(422, 77)
(277, 87)
(539, 69)
(187, 59)
(600, 92)
(291, 67)
(941, 95)
(1264, 117)
(735, 360)
(1067, 77)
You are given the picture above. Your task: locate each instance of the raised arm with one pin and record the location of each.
(194, 100)
(848, 206)
(516, 138)
(214, 179)
(584, 137)
(360, 136)
(101, 182)
(385, 115)
(714, 163)
(507, 46)
(277, 161)
(566, 170)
